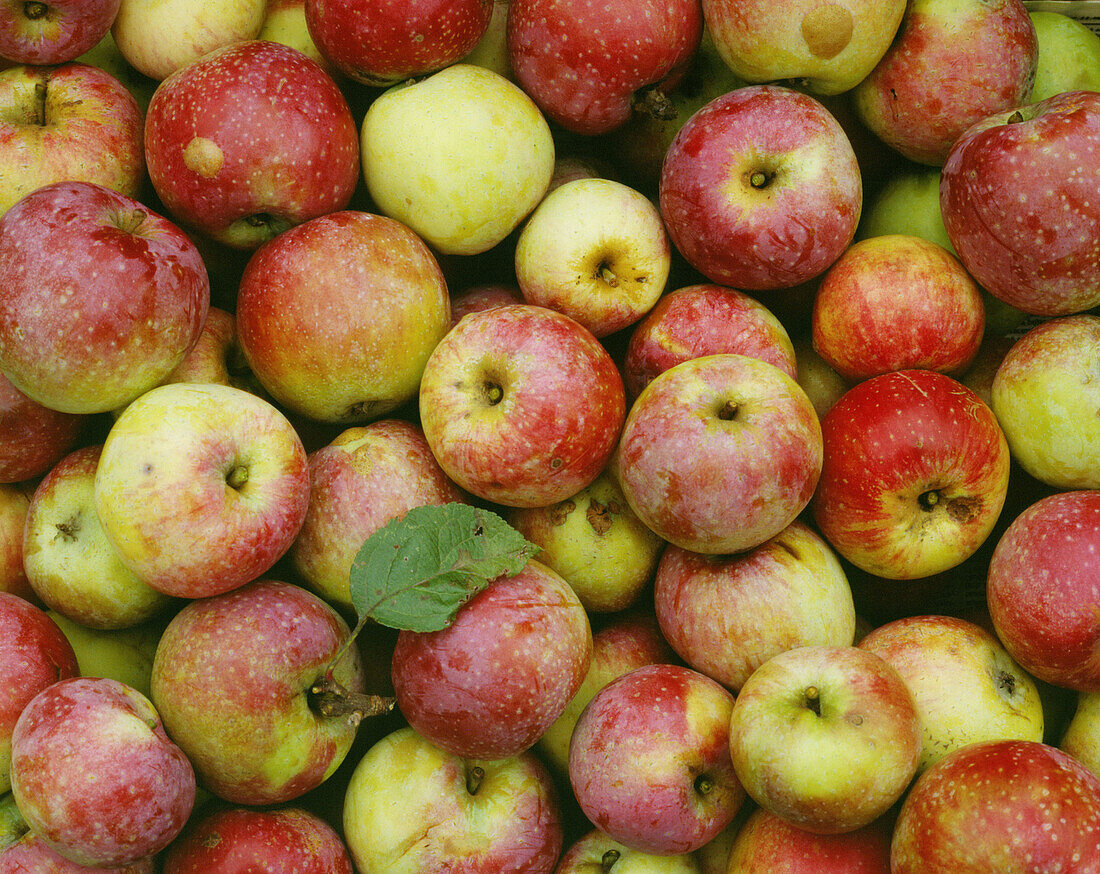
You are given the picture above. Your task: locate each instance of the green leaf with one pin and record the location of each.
(417, 571)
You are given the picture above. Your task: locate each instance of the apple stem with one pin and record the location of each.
(494, 394)
(40, 103)
(331, 698)
(608, 860)
(131, 221)
(760, 179)
(474, 778)
(929, 499)
(604, 273)
(35, 10)
(237, 477)
(728, 411)
(813, 699)
(703, 784)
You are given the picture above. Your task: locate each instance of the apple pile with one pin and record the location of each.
(529, 436)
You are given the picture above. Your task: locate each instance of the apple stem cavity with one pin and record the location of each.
(40, 103)
(608, 860)
(35, 10)
(131, 222)
(760, 179)
(703, 784)
(237, 477)
(331, 699)
(473, 779)
(605, 273)
(494, 394)
(811, 696)
(929, 499)
(728, 411)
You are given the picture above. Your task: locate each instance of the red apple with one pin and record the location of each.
(1006, 805)
(761, 189)
(595, 852)
(338, 315)
(32, 437)
(482, 297)
(950, 65)
(1041, 589)
(107, 310)
(521, 405)
(720, 453)
(489, 685)
(704, 319)
(584, 62)
(915, 474)
(649, 761)
(1017, 194)
(380, 44)
(231, 153)
(73, 122)
(54, 32)
(95, 774)
(289, 840)
(768, 844)
(234, 679)
(895, 302)
(31, 853)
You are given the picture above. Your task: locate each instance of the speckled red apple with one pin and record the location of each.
(32, 437)
(768, 844)
(54, 32)
(31, 853)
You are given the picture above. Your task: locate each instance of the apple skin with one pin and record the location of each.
(15, 499)
(285, 22)
(725, 615)
(412, 807)
(217, 356)
(53, 33)
(361, 480)
(951, 65)
(584, 62)
(966, 685)
(338, 315)
(896, 302)
(203, 143)
(828, 47)
(1069, 55)
(1045, 396)
(70, 564)
(34, 653)
(289, 840)
(1019, 182)
(649, 760)
(596, 250)
(767, 844)
(482, 297)
(719, 453)
(826, 737)
(72, 122)
(31, 853)
(492, 682)
(123, 654)
(201, 488)
(704, 319)
(257, 651)
(761, 189)
(33, 438)
(823, 385)
(95, 774)
(1041, 589)
(914, 477)
(380, 44)
(595, 852)
(107, 310)
(1081, 735)
(985, 806)
(521, 405)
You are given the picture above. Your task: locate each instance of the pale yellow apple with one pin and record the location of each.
(830, 45)
(596, 852)
(1069, 55)
(822, 384)
(1081, 738)
(491, 51)
(124, 654)
(461, 157)
(285, 22)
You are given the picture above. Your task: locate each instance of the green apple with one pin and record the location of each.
(285, 22)
(461, 157)
(1081, 738)
(12, 824)
(1069, 55)
(491, 51)
(124, 654)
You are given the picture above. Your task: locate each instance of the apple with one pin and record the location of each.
(1016, 199)
(725, 615)
(704, 319)
(596, 250)
(1069, 54)
(521, 405)
(997, 806)
(951, 65)
(43, 34)
(12, 824)
(719, 453)
(15, 499)
(491, 51)
(289, 840)
(230, 152)
(72, 122)
(594, 540)
(914, 477)
(815, 376)
(70, 564)
(598, 853)
(285, 22)
(159, 38)
(105, 54)
(490, 684)
(1081, 735)
(896, 302)
(260, 652)
(966, 686)
(201, 488)
(107, 310)
(337, 316)
(482, 297)
(625, 640)
(31, 853)
(461, 157)
(217, 356)
(380, 44)
(123, 654)
(95, 774)
(1041, 589)
(33, 437)
(587, 64)
(828, 47)
(649, 760)
(1045, 396)
(908, 202)
(34, 654)
(983, 368)
(761, 189)
(364, 478)
(825, 737)
(411, 806)
(769, 844)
